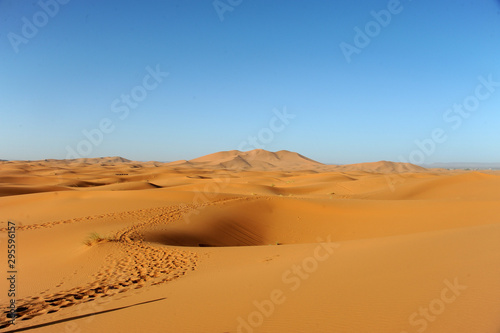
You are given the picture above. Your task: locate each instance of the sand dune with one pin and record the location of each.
(16, 190)
(257, 159)
(383, 167)
(262, 160)
(250, 242)
(473, 185)
(110, 160)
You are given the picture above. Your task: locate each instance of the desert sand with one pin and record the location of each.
(250, 242)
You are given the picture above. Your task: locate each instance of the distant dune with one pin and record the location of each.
(114, 159)
(257, 159)
(253, 160)
(465, 165)
(284, 160)
(382, 167)
(90, 160)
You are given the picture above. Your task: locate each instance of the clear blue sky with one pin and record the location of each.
(226, 76)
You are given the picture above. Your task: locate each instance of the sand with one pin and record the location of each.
(250, 242)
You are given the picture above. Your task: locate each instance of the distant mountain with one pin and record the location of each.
(106, 160)
(465, 165)
(382, 167)
(283, 160)
(90, 160)
(258, 159)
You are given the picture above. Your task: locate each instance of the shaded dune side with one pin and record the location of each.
(266, 221)
(18, 190)
(221, 226)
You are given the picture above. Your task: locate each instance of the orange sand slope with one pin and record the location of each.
(250, 242)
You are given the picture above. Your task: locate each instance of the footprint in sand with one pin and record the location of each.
(142, 265)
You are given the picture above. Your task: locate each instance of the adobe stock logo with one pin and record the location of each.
(372, 29)
(428, 314)
(266, 135)
(277, 124)
(30, 28)
(455, 115)
(121, 106)
(222, 6)
(292, 278)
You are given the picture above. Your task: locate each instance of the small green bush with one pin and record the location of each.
(95, 238)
